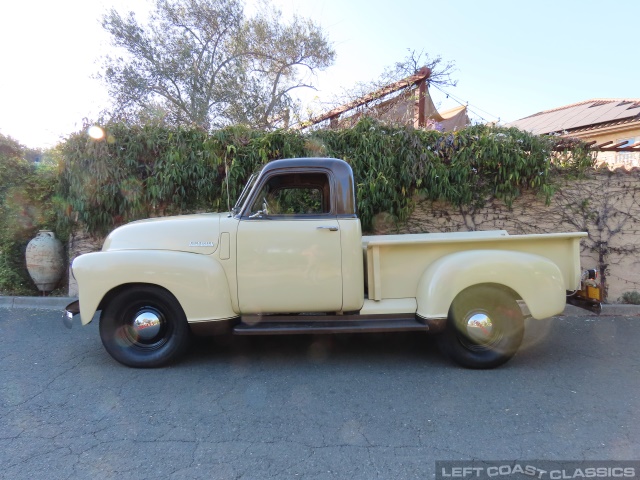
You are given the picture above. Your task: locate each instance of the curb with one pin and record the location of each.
(39, 303)
(59, 303)
(608, 310)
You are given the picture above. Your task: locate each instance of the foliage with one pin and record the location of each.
(206, 63)
(632, 298)
(412, 63)
(144, 171)
(572, 156)
(466, 167)
(26, 206)
(136, 172)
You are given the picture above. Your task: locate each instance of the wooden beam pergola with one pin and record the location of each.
(419, 78)
(618, 147)
(601, 147)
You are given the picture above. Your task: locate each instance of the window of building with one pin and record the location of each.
(630, 159)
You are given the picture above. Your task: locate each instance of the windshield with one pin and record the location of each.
(245, 191)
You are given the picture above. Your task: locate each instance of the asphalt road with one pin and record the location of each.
(347, 407)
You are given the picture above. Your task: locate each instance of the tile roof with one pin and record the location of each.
(587, 115)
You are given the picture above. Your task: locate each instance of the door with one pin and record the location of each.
(288, 250)
(289, 266)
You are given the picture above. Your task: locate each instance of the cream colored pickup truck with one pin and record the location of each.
(290, 258)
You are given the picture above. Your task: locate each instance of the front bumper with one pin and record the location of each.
(70, 311)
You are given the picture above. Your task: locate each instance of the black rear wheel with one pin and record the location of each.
(484, 328)
(144, 326)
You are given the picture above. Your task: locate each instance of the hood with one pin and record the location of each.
(185, 233)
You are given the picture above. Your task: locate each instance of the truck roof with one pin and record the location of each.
(340, 172)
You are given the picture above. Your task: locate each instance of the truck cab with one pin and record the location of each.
(299, 245)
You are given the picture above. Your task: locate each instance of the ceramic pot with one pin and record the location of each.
(45, 260)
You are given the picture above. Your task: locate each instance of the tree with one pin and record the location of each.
(206, 63)
(411, 64)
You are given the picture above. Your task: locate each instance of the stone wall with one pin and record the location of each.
(80, 243)
(606, 205)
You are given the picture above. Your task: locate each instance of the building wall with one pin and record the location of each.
(616, 159)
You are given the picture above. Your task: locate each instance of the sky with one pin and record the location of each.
(513, 58)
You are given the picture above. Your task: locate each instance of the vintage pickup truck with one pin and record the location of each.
(290, 258)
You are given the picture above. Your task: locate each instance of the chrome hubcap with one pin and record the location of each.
(479, 328)
(147, 324)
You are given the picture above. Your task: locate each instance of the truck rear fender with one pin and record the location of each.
(197, 281)
(535, 279)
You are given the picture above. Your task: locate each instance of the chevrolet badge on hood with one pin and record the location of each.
(201, 244)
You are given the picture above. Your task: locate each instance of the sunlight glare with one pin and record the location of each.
(95, 132)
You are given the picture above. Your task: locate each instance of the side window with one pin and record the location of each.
(293, 194)
(296, 201)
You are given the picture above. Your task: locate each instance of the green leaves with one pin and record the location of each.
(153, 170)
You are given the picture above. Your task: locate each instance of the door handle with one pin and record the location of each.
(331, 228)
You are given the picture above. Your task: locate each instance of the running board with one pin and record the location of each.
(317, 324)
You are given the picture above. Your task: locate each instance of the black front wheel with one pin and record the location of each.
(144, 326)
(484, 328)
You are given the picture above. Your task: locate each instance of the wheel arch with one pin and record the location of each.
(498, 286)
(197, 282)
(118, 289)
(533, 279)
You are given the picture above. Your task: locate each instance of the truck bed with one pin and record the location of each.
(394, 263)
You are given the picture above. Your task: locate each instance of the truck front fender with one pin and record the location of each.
(535, 279)
(197, 281)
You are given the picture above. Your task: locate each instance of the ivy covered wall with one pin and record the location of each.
(137, 172)
(133, 172)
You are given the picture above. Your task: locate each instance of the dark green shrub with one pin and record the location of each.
(137, 172)
(632, 297)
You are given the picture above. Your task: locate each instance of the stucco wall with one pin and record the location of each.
(606, 205)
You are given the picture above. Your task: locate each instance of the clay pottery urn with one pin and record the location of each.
(45, 260)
